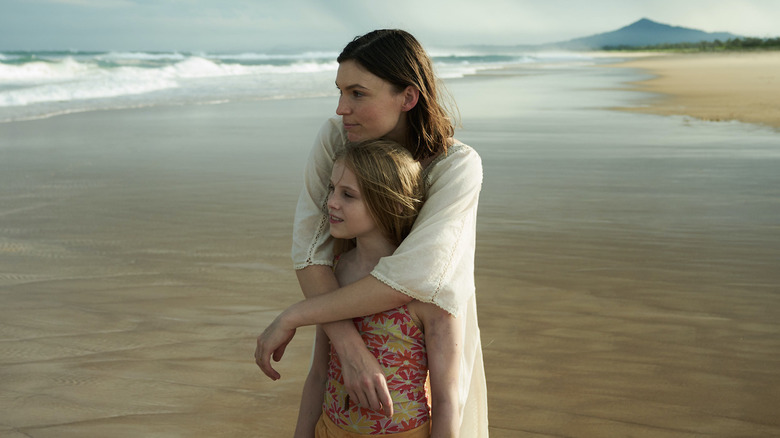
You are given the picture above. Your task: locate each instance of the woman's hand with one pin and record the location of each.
(365, 380)
(272, 343)
(363, 376)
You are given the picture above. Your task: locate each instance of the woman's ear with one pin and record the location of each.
(411, 96)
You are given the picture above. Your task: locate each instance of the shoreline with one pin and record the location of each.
(730, 86)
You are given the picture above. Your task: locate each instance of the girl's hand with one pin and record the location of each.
(272, 343)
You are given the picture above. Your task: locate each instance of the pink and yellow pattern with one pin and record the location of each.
(399, 345)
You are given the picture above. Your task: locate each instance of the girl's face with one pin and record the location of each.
(369, 106)
(348, 214)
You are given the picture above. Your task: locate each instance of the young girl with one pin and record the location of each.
(375, 194)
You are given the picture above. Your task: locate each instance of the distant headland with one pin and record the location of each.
(646, 34)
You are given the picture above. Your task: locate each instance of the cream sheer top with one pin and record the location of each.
(434, 264)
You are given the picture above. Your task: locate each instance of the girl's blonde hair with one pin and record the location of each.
(390, 182)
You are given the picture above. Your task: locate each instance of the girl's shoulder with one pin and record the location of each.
(344, 268)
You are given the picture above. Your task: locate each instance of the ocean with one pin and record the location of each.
(40, 84)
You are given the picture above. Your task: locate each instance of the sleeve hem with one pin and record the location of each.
(306, 264)
(449, 309)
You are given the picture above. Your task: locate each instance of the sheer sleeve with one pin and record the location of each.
(435, 263)
(312, 244)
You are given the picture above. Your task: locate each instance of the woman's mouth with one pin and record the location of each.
(334, 219)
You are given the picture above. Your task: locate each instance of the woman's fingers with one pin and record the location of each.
(374, 395)
(279, 352)
(372, 401)
(365, 382)
(272, 343)
(263, 360)
(385, 400)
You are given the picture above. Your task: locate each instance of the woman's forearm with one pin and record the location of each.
(316, 280)
(363, 297)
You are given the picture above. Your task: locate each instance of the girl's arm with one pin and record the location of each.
(314, 388)
(443, 341)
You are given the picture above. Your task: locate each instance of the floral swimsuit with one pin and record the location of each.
(399, 345)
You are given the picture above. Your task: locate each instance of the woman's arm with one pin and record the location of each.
(435, 263)
(443, 343)
(363, 297)
(314, 388)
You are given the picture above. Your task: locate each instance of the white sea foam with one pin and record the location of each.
(35, 84)
(249, 56)
(67, 68)
(70, 80)
(99, 89)
(144, 56)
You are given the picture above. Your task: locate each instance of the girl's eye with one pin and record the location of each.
(330, 188)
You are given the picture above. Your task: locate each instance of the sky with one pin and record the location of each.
(283, 25)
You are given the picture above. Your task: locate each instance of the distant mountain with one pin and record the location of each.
(642, 33)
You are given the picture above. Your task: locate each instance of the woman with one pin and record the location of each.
(388, 90)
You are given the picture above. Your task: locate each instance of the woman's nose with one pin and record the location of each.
(342, 108)
(332, 202)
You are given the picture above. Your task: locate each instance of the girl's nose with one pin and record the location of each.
(332, 202)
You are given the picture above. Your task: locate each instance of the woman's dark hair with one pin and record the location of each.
(397, 57)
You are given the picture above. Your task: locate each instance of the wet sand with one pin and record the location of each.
(141, 253)
(743, 86)
(627, 282)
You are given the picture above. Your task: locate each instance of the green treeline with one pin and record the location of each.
(734, 44)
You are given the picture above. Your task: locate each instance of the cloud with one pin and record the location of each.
(238, 25)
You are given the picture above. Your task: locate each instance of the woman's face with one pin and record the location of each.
(369, 106)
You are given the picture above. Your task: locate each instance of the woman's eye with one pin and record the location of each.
(330, 188)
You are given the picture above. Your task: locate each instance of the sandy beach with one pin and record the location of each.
(626, 266)
(742, 86)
